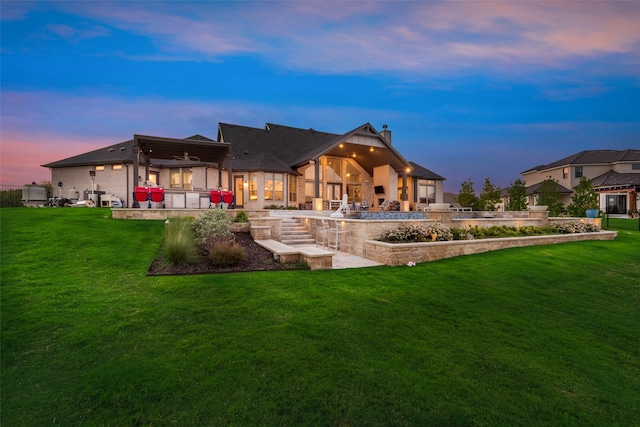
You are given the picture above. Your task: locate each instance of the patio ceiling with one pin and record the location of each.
(369, 157)
(172, 148)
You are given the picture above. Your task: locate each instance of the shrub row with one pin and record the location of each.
(437, 232)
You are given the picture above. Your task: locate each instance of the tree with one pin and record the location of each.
(583, 198)
(467, 196)
(489, 196)
(550, 196)
(517, 196)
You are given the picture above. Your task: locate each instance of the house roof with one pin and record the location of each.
(289, 147)
(591, 157)
(535, 189)
(113, 154)
(124, 152)
(421, 172)
(616, 179)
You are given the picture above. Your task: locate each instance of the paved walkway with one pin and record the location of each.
(346, 260)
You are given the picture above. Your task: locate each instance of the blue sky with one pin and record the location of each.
(477, 89)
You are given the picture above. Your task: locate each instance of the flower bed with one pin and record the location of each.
(411, 233)
(409, 244)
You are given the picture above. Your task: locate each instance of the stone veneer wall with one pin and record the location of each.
(156, 214)
(402, 253)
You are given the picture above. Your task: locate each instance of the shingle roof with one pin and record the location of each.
(113, 154)
(616, 179)
(283, 144)
(423, 173)
(592, 157)
(535, 189)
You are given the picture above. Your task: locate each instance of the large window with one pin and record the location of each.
(578, 171)
(253, 186)
(334, 169)
(293, 189)
(274, 186)
(565, 173)
(426, 191)
(181, 178)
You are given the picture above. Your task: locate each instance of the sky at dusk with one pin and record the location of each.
(470, 89)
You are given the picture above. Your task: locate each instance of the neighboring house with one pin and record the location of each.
(275, 165)
(614, 174)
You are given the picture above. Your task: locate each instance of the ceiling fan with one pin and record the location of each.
(187, 157)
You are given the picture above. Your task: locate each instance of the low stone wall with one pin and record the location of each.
(402, 253)
(156, 214)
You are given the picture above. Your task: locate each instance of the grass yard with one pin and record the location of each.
(543, 335)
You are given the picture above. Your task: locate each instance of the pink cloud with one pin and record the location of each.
(416, 37)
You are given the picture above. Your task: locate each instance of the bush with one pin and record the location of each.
(461, 234)
(179, 244)
(241, 217)
(211, 226)
(406, 233)
(226, 253)
(577, 227)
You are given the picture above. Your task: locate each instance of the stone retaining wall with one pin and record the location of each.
(402, 253)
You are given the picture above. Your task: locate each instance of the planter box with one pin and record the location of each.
(538, 208)
(402, 253)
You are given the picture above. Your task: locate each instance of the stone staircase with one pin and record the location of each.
(295, 233)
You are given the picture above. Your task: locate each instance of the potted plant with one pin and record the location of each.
(241, 222)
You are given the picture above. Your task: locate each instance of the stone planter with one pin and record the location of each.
(538, 208)
(240, 227)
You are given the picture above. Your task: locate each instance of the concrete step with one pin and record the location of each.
(295, 233)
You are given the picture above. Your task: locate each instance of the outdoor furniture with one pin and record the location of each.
(227, 198)
(142, 195)
(384, 204)
(334, 232)
(321, 232)
(157, 195)
(364, 205)
(215, 196)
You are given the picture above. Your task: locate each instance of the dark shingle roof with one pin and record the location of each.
(592, 157)
(423, 173)
(535, 189)
(113, 154)
(616, 179)
(275, 146)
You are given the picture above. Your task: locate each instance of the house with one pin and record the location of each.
(272, 166)
(614, 174)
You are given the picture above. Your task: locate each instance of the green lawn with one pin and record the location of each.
(544, 335)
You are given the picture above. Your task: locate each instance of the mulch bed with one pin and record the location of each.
(258, 259)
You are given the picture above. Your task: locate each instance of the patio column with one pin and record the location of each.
(136, 164)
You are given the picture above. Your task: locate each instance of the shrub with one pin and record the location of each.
(179, 244)
(577, 227)
(211, 226)
(226, 253)
(461, 234)
(241, 217)
(406, 233)
(416, 233)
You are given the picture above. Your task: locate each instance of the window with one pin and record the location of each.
(578, 171)
(426, 191)
(181, 178)
(293, 188)
(253, 186)
(635, 166)
(274, 186)
(334, 169)
(116, 167)
(565, 173)
(100, 168)
(353, 174)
